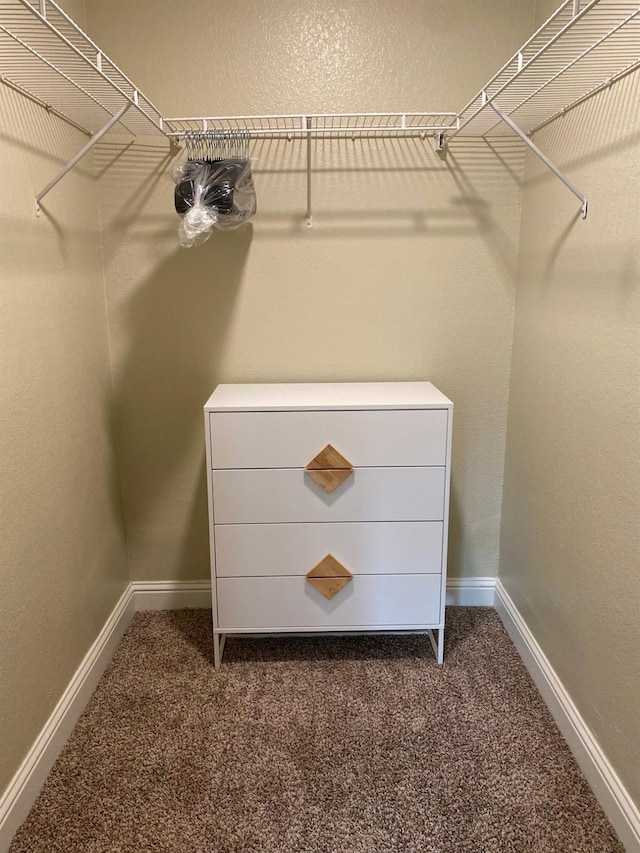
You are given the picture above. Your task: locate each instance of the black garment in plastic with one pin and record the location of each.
(218, 179)
(213, 194)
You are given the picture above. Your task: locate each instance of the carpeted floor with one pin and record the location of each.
(315, 745)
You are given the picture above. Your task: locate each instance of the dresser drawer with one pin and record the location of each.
(370, 548)
(292, 439)
(282, 495)
(369, 602)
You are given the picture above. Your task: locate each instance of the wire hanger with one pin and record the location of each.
(216, 145)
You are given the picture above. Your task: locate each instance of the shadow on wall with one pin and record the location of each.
(509, 158)
(386, 187)
(172, 311)
(169, 313)
(176, 327)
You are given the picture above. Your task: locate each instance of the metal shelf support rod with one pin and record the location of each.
(307, 122)
(533, 147)
(95, 138)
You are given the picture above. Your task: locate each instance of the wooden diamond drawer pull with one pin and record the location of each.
(329, 468)
(329, 576)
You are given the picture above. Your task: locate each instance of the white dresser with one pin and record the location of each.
(328, 508)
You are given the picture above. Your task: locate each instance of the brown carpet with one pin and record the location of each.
(315, 745)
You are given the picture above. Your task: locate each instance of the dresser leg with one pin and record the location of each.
(218, 649)
(440, 655)
(438, 647)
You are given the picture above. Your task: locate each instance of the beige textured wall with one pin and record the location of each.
(408, 274)
(571, 525)
(62, 557)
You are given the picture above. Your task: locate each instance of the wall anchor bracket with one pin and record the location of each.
(95, 138)
(533, 147)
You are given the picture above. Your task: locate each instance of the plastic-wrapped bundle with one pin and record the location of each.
(212, 194)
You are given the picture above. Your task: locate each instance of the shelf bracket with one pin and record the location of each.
(307, 124)
(95, 138)
(533, 147)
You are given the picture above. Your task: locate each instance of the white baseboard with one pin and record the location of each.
(25, 786)
(22, 791)
(171, 595)
(471, 592)
(611, 793)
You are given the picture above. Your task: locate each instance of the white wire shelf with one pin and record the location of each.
(45, 55)
(335, 124)
(581, 49)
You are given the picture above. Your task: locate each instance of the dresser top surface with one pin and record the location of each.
(329, 396)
